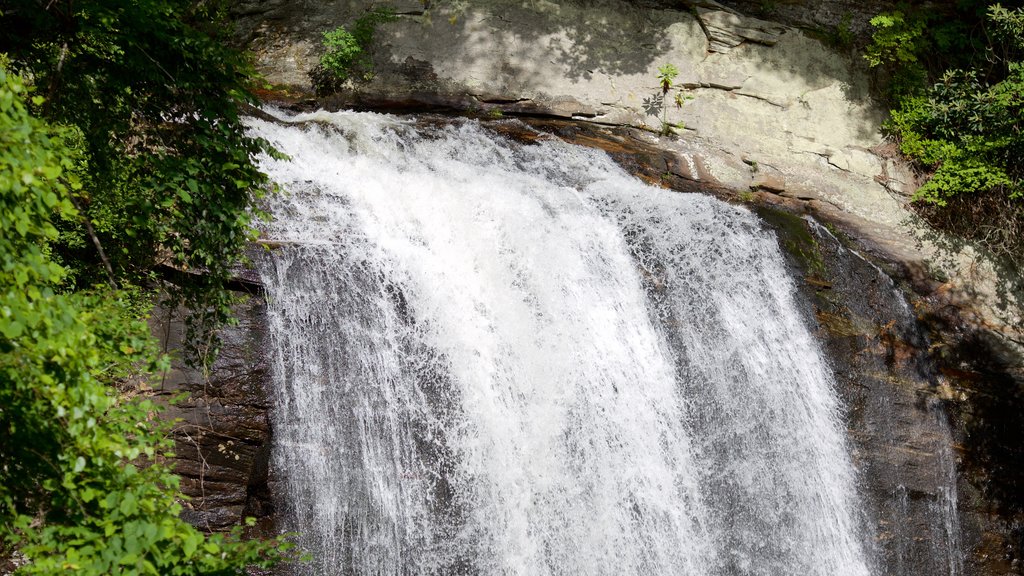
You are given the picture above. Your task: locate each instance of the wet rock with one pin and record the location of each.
(783, 96)
(223, 437)
(918, 456)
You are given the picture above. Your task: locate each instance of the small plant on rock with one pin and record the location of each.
(666, 76)
(347, 52)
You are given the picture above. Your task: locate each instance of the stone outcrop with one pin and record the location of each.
(726, 28)
(762, 94)
(775, 116)
(222, 432)
(770, 106)
(923, 511)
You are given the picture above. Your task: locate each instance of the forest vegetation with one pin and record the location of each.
(957, 94)
(121, 149)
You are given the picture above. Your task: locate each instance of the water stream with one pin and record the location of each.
(506, 359)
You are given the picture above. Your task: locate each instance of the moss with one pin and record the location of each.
(796, 239)
(844, 326)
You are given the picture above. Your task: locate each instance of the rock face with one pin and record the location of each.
(760, 92)
(775, 115)
(222, 440)
(727, 28)
(770, 107)
(921, 512)
(766, 106)
(934, 455)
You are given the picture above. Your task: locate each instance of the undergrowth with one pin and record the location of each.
(957, 94)
(347, 53)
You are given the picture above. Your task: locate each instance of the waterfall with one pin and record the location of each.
(494, 358)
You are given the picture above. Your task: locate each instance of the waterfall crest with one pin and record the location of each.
(493, 358)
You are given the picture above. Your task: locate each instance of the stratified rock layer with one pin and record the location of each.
(758, 90)
(222, 433)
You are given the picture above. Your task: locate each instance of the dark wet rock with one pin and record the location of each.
(933, 442)
(222, 440)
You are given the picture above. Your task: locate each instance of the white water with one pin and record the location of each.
(503, 359)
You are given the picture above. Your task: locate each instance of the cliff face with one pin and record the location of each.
(769, 106)
(222, 434)
(774, 114)
(766, 105)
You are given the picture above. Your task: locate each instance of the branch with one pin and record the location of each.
(95, 241)
(51, 93)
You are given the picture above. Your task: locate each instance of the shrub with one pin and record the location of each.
(121, 148)
(965, 131)
(347, 53)
(83, 487)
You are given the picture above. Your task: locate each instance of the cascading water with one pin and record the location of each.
(494, 358)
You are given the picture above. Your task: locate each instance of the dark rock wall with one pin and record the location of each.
(929, 475)
(897, 430)
(223, 436)
(986, 406)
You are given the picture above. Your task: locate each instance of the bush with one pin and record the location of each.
(895, 44)
(347, 53)
(83, 487)
(121, 148)
(963, 125)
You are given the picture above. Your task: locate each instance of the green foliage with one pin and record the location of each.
(1007, 26)
(897, 39)
(895, 45)
(347, 53)
(666, 78)
(959, 114)
(342, 52)
(146, 97)
(968, 129)
(666, 74)
(82, 485)
(968, 133)
(121, 148)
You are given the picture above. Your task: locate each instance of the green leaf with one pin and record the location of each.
(128, 504)
(83, 442)
(11, 329)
